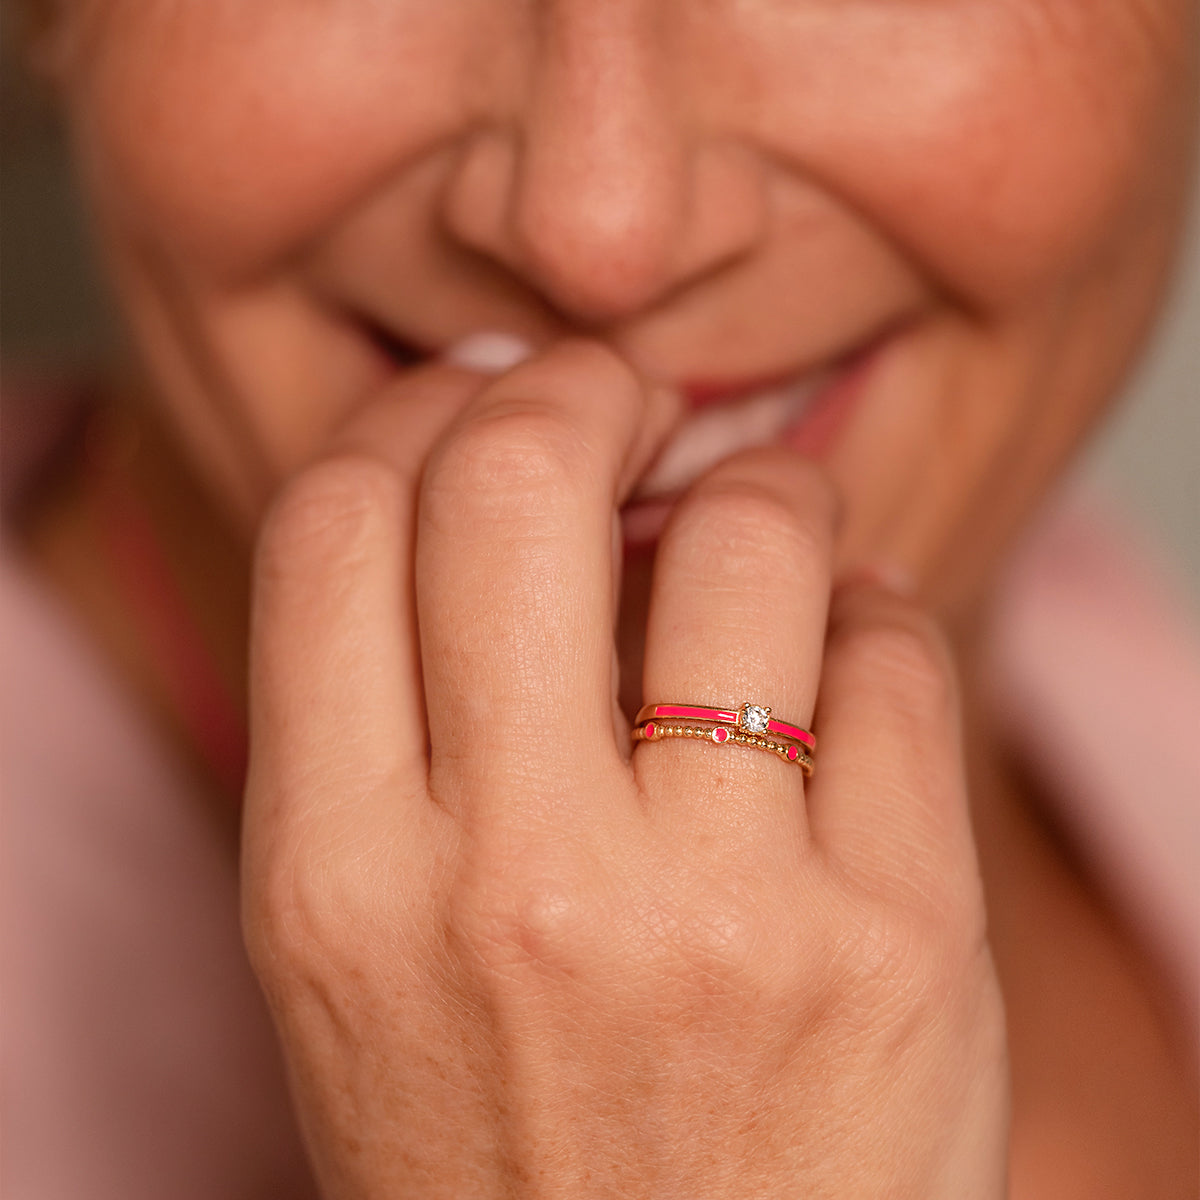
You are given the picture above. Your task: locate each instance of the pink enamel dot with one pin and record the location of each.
(720, 735)
(792, 753)
(649, 730)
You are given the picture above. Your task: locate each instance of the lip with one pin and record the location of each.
(404, 352)
(703, 393)
(700, 394)
(818, 427)
(835, 383)
(813, 432)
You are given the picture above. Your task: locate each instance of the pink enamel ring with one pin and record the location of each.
(750, 718)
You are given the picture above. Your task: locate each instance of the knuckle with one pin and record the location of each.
(906, 652)
(798, 482)
(516, 460)
(726, 950)
(284, 918)
(576, 362)
(314, 897)
(333, 512)
(729, 524)
(937, 968)
(916, 950)
(897, 968)
(708, 956)
(539, 923)
(904, 977)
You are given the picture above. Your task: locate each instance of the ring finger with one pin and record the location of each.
(737, 614)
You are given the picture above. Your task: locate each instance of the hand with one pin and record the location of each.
(509, 956)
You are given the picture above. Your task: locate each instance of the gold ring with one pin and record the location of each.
(719, 735)
(749, 718)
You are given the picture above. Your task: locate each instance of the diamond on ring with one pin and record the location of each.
(753, 718)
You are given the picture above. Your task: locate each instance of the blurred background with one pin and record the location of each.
(54, 316)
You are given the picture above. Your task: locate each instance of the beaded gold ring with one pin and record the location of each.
(719, 735)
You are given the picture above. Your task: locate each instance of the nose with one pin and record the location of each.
(603, 192)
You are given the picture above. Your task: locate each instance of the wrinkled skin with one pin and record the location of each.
(584, 975)
(506, 960)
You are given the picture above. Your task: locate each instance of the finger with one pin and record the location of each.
(737, 613)
(515, 571)
(889, 798)
(337, 710)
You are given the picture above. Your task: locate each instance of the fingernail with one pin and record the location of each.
(488, 352)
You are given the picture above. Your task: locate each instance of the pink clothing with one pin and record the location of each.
(138, 1059)
(1097, 678)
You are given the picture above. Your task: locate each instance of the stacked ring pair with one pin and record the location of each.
(752, 726)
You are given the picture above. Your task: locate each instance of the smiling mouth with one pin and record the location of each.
(803, 410)
(723, 427)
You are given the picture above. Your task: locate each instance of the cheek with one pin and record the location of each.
(230, 133)
(1002, 144)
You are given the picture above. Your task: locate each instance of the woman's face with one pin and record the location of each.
(936, 227)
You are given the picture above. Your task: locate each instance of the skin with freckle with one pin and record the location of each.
(724, 191)
(504, 957)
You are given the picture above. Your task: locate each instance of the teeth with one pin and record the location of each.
(702, 441)
(488, 352)
(715, 433)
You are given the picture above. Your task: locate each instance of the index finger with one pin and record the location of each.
(335, 674)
